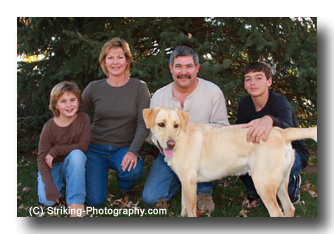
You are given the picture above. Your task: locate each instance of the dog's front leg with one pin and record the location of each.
(189, 189)
(183, 204)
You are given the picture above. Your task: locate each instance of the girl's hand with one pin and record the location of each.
(48, 160)
(129, 160)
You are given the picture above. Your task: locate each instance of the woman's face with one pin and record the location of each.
(116, 62)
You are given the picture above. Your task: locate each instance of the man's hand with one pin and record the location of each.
(259, 127)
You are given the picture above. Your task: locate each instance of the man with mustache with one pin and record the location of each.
(205, 103)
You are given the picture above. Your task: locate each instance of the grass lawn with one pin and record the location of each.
(229, 195)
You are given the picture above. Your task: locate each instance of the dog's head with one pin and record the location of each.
(166, 125)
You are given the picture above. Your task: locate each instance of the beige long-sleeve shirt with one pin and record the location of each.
(206, 104)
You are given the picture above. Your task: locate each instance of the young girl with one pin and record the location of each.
(61, 151)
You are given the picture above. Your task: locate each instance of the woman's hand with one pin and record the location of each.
(129, 160)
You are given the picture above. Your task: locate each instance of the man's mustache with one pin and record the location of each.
(184, 76)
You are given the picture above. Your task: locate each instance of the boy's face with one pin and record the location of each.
(67, 104)
(256, 83)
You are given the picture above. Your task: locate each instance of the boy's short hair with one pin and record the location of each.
(257, 67)
(183, 51)
(115, 43)
(60, 89)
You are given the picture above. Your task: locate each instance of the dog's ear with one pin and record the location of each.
(149, 116)
(184, 118)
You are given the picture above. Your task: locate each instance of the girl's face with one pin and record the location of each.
(68, 105)
(116, 62)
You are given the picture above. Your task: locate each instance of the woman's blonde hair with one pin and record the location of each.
(60, 89)
(114, 43)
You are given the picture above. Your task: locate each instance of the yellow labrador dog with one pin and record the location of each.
(201, 153)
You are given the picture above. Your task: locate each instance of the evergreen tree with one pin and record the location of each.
(71, 47)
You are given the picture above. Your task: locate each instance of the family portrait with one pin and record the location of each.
(167, 117)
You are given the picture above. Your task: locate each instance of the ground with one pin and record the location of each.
(311, 168)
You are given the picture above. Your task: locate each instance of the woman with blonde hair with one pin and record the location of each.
(118, 129)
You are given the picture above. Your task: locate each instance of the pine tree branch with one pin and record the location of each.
(87, 40)
(29, 117)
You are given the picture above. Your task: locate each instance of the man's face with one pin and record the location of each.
(184, 71)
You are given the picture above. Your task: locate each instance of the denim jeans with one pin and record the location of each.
(295, 170)
(70, 172)
(162, 183)
(99, 159)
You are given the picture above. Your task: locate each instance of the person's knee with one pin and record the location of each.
(138, 171)
(148, 197)
(134, 174)
(77, 157)
(95, 203)
(96, 192)
(151, 196)
(297, 166)
(42, 199)
(95, 200)
(41, 192)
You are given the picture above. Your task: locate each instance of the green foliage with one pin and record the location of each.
(71, 48)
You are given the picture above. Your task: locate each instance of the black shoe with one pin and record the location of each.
(130, 194)
(295, 196)
(254, 198)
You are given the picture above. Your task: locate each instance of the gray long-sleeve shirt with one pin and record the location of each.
(118, 113)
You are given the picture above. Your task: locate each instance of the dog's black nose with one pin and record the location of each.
(171, 144)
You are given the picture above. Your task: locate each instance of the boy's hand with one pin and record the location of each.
(259, 127)
(48, 160)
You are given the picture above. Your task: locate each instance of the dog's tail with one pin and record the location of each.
(293, 134)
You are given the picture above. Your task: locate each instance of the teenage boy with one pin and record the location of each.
(262, 110)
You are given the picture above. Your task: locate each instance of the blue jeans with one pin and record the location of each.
(295, 170)
(70, 172)
(162, 183)
(99, 159)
